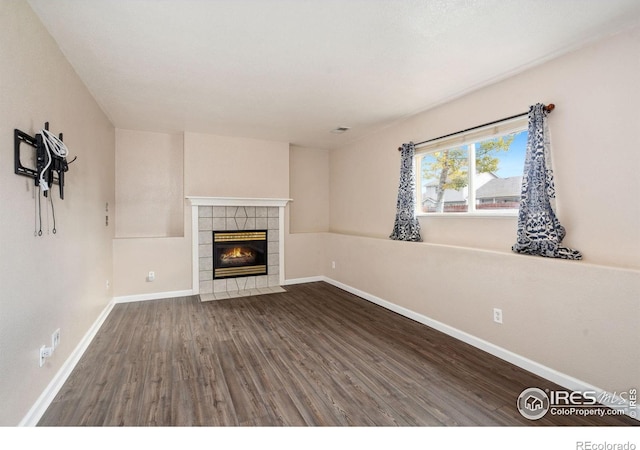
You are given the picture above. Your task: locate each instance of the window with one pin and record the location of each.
(479, 172)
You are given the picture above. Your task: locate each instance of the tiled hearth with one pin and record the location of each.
(225, 214)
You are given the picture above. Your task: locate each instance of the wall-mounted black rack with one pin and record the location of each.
(53, 173)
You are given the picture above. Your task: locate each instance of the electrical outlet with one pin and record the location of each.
(333, 264)
(497, 315)
(45, 352)
(55, 339)
(151, 276)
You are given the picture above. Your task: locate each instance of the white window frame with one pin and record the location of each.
(470, 139)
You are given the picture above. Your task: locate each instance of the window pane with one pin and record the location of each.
(445, 180)
(499, 166)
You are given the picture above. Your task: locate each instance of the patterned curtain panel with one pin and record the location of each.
(539, 230)
(406, 227)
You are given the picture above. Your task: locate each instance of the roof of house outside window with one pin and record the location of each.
(500, 187)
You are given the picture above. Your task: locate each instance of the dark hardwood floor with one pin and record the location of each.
(313, 356)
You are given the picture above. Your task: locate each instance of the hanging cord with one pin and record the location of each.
(35, 212)
(53, 214)
(46, 206)
(37, 202)
(38, 214)
(52, 144)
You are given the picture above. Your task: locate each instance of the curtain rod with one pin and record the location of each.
(548, 108)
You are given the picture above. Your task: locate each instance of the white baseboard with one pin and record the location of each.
(38, 409)
(304, 280)
(152, 296)
(545, 372)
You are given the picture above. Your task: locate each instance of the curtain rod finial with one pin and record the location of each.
(550, 107)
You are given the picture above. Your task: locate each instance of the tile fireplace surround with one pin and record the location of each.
(229, 213)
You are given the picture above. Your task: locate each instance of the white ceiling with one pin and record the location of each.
(292, 70)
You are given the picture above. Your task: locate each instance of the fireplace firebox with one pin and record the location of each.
(239, 253)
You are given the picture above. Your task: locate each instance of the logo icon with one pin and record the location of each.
(533, 403)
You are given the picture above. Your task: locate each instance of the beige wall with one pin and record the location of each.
(53, 281)
(220, 166)
(169, 258)
(149, 184)
(152, 233)
(579, 318)
(214, 166)
(308, 213)
(309, 187)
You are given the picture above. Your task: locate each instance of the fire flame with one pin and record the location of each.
(236, 252)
